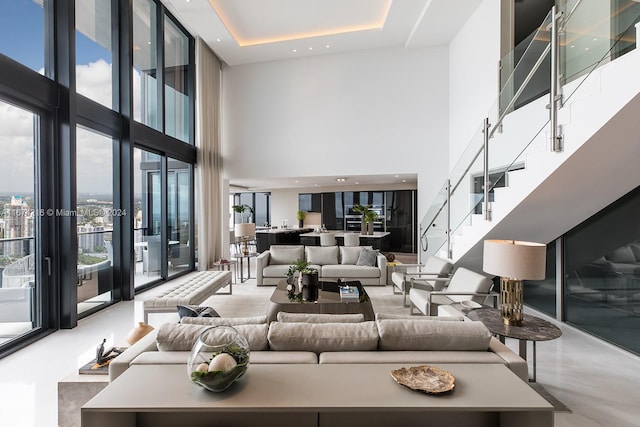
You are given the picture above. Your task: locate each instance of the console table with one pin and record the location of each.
(316, 395)
(328, 302)
(533, 329)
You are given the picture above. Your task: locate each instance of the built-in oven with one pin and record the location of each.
(353, 220)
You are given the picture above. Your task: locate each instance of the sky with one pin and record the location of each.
(22, 38)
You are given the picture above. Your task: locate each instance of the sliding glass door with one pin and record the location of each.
(147, 220)
(23, 216)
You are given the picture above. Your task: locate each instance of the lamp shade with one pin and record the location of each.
(515, 259)
(245, 229)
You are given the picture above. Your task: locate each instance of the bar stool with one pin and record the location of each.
(352, 239)
(327, 239)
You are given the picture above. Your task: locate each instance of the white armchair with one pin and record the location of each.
(464, 285)
(433, 275)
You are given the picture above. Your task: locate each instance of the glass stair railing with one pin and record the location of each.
(586, 38)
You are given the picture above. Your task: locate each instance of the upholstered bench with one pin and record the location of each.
(193, 291)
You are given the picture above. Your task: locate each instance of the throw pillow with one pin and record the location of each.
(178, 337)
(196, 311)
(280, 255)
(321, 337)
(349, 255)
(420, 335)
(367, 257)
(322, 255)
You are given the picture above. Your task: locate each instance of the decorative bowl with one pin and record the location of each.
(219, 358)
(426, 378)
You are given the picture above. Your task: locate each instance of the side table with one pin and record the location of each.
(241, 257)
(228, 265)
(74, 391)
(533, 329)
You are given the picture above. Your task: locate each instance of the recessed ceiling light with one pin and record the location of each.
(404, 180)
(311, 48)
(397, 176)
(218, 40)
(572, 46)
(586, 48)
(341, 179)
(149, 42)
(328, 46)
(357, 182)
(295, 50)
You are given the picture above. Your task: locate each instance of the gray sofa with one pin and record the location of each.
(332, 263)
(298, 338)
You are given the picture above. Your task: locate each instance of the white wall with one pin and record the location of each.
(473, 76)
(380, 111)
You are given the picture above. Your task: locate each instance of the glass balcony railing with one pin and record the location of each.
(591, 33)
(17, 261)
(95, 269)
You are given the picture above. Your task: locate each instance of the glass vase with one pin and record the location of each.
(219, 358)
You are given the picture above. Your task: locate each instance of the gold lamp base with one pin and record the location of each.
(511, 292)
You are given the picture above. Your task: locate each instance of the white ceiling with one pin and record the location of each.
(250, 31)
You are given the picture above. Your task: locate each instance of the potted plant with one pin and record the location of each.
(295, 271)
(241, 209)
(362, 210)
(369, 217)
(301, 215)
(309, 284)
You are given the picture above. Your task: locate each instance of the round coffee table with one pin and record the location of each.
(533, 329)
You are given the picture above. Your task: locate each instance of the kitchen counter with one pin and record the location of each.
(279, 236)
(284, 230)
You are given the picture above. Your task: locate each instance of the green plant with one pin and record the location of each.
(240, 209)
(361, 209)
(298, 265)
(301, 215)
(370, 216)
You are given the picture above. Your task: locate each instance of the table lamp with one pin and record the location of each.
(514, 261)
(245, 231)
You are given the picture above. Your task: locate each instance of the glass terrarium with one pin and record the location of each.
(218, 358)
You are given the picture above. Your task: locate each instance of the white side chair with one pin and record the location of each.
(465, 285)
(327, 239)
(433, 275)
(351, 239)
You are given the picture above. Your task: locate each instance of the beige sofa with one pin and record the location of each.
(298, 338)
(332, 263)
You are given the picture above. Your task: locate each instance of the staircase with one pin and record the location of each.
(555, 191)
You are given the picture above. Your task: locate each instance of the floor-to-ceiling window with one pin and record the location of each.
(94, 56)
(177, 81)
(179, 244)
(72, 198)
(95, 213)
(147, 210)
(20, 214)
(145, 63)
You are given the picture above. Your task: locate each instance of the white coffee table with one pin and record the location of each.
(316, 395)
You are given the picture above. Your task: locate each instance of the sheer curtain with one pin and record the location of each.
(209, 163)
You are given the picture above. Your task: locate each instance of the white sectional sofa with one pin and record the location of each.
(298, 338)
(332, 263)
